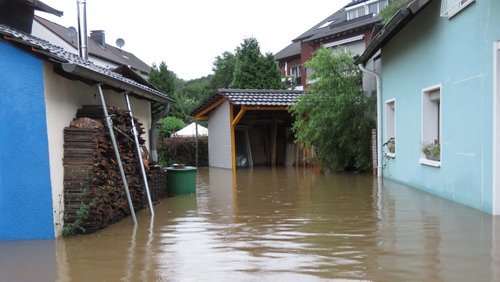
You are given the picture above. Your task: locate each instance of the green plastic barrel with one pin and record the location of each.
(181, 180)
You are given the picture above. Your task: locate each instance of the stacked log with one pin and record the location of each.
(94, 196)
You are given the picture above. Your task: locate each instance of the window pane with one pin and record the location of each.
(351, 14)
(373, 8)
(361, 11)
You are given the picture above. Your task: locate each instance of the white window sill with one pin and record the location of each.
(452, 12)
(390, 155)
(425, 161)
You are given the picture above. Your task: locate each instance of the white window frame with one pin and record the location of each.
(344, 41)
(325, 24)
(430, 128)
(295, 71)
(450, 8)
(390, 124)
(366, 8)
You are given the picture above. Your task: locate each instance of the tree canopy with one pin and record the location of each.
(333, 116)
(223, 68)
(186, 95)
(247, 68)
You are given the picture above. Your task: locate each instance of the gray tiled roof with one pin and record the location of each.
(58, 54)
(289, 51)
(344, 26)
(252, 97)
(110, 53)
(338, 25)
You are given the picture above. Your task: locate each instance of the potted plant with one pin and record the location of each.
(391, 145)
(432, 151)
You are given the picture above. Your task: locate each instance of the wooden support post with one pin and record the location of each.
(233, 141)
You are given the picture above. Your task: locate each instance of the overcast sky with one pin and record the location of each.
(189, 34)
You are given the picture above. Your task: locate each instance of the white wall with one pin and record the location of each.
(41, 31)
(63, 98)
(219, 140)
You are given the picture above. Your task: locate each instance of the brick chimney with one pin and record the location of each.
(98, 36)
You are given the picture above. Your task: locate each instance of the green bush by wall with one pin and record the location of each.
(182, 150)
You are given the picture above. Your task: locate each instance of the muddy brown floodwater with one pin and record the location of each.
(276, 225)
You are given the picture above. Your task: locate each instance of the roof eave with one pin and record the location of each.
(102, 78)
(40, 6)
(395, 24)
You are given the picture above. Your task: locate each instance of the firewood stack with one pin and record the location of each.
(94, 196)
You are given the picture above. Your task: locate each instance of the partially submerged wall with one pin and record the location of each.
(63, 98)
(94, 195)
(25, 187)
(219, 141)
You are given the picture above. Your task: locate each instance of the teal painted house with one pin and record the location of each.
(439, 99)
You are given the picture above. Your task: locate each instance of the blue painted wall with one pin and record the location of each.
(25, 188)
(456, 53)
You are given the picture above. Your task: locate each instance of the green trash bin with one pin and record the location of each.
(181, 180)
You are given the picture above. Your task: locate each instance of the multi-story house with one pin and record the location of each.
(350, 28)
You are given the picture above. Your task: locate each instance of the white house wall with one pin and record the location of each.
(41, 31)
(219, 140)
(63, 98)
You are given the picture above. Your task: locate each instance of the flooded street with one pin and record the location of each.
(276, 224)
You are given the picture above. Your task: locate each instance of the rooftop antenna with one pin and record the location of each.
(120, 42)
(71, 32)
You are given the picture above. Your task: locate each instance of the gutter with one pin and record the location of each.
(113, 82)
(379, 117)
(395, 24)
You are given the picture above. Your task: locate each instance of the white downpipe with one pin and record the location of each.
(496, 133)
(379, 117)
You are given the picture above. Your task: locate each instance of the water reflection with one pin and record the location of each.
(276, 224)
(28, 261)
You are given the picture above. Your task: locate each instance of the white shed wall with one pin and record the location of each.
(219, 139)
(63, 98)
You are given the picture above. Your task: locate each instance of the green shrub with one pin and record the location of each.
(182, 150)
(391, 9)
(169, 125)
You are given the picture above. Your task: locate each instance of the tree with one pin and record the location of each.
(190, 93)
(252, 69)
(168, 83)
(162, 78)
(270, 74)
(223, 68)
(247, 69)
(333, 116)
(169, 125)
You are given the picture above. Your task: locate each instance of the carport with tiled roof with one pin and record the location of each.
(248, 127)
